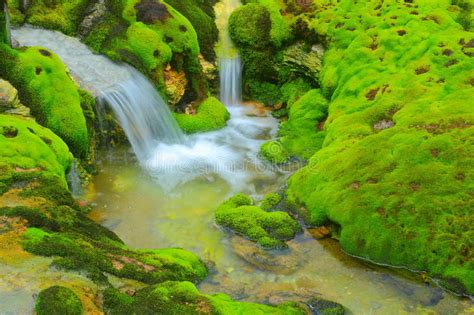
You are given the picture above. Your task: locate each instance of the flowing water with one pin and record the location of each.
(168, 200)
(140, 110)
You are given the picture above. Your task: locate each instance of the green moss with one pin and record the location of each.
(151, 36)
(58, 300)
(395, 168)
(84, 251)
(16, 16)
(44, 85)
(270, 201)
(201, 16)
(250, 26)
(63, 16)
(274, 152)
(26, 146)
(268, 229)
(183, 298)
(303, 135)
(211, 115)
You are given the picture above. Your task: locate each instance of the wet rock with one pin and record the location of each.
(94, 14)
(320, 232)
(383, 124)
(325, 307)
(304, 60)
(176, 83)
(262, 259)
(8, 96)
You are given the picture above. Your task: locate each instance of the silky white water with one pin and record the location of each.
(140, 110)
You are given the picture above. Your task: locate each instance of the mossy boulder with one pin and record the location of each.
(153, 36)
(173, 297)
(26, 147)
(58, 300)
(63, 16)
(268, 229)
(395, 168)
(211, 115)
(274, 152)
(45, 86)
(201, 15)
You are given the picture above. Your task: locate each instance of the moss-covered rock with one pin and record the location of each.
(201, 15)
(274, 152)
(152, 36)
(58, 300)
(45, 86)
(26, 147)
(211, 115)
(63, 16)
(183, 298)
(395, 168)
(268, 229)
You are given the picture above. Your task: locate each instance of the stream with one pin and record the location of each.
(167, 198)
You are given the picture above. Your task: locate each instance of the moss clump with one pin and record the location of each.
(269, 201)
(274, 152)
(26, 147)
(201, 16)
(152, 36)
(211, 115)
(63, 16)
(268, 229)
(250, 26)
(44, 85)
(303, 134)
(395, 168)
(58, 300)
(173, 297)
(80, 251)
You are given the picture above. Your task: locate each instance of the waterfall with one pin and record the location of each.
(140, 110)
(230, 65)
(74, 181)
(230, 80)
(142, 114)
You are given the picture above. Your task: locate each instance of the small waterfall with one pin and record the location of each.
(74, 181)
(143, 115)
(230, 80)
(230, 65)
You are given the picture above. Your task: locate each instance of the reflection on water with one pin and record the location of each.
(136, 208)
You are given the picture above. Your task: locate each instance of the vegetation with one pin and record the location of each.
(268, 229)
(44, 84)
(211, 114)
(58, 300)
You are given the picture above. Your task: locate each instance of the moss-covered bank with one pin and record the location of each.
(393, 162)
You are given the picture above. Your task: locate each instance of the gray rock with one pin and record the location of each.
(94, 14)
(304, 60)
(8, 96)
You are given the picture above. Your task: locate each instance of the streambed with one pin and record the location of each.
(143, 211)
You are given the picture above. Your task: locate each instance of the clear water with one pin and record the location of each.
(146, 215)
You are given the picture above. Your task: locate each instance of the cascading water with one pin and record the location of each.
(164, 152)
(142, 113)
(230, 65)
(6, 20)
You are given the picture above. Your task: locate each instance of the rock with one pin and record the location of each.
(324, 307)
(8, 96)
(303, 60)
(209, 69)
(176, 83)
(320, 232)
(262, 259)
(383, 124)
(93, 15)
